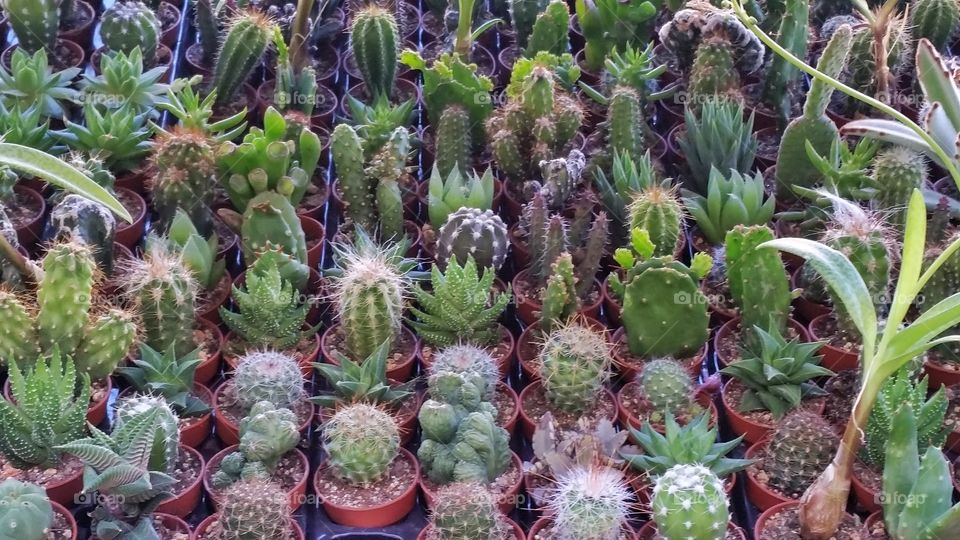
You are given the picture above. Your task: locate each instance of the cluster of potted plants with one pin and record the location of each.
(548, 271)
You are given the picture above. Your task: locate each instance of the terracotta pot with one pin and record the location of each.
(188, 500)
(65, 491)
(611, 306)
(517, 531)
(135, 181)
(733, 325)
(173, 523)
(130, 234)
(83, 34)
(528, 308)
(768, 514)
(78, 54)
(866, 497)
(201, 529)
(313, 230)
(760, 495)
(228, 431)
(209, 368)
(507, 501)
(544, 522)
(296, 495)
(649, 531)
(194, 52)
(629, 368)
(872, 520)
(71, 521)
(806, 310)
(834, 358)
(169, 33)
(97, 412)
(400, 372)
(378, 516)
(504, 361)
(752, 431)
(313, 295)
(528, 424)
(628, 418)
(940, 375)
(30, 234)
(211, 311)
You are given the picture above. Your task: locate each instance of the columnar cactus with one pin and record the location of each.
(935, 20)
(863, 71)
(245, 43)
(271, 225)
(574, 365)
(361, 442)
(468, 359)
(186, 175)
(897, 171)
(782, 76)
(348, 159)
(523, 16)
(129, 24)
(255, 510)
(589, 503)
(559, 298)
(667, 385)
(757, 279)
(267, 433)
(689, 503)
(625, 122)
(64, 296)
(35, 23)
(798, 451)
(25, 511)
(268, 376)
(657, 211)
(466, 510)
(374, 40)
(165, 295)
(165, 447)
(206, 20)
(386, 168)
(551, 30)
(473, 232)
(454, 144)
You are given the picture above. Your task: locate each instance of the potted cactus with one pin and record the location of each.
(689, 501)
(28, 513)
(252, 508)
(663, 388)
(466, 510)
(589, 501)
(366, 480)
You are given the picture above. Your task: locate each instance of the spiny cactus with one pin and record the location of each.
(48, 408)
(550, 30)
(864, 72)
(268, 376)
(165, 295)
(625, 122)
(186, 174)
(266, 435)
(589, 503)
(454, 144)
(271, 227)
(689, 503)
(935, 20)
(25, 511)
(386, 168)
(241, 49)
(560, 179)
(477, 233)
(657, 211)
(943, 284)
(374, 41)
(165, 447)
(348, 159)
(361, 442)
(79, 219)
(34, 22)
(559, 297)
(719, 138)
(523, 15)
(667, 386)
(255, 510)
(127, 25)
(798, 451)
(467, 510)
(897, 171)
(628, 176)
(468, 359)
(206, 21)
(574, 365)
(757, 279)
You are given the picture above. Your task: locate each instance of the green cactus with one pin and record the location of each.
(164, 292)
(77, 218)
(25, 511)
(737, 200)
(629, 176)
(610, 24)
(454, 143)
(523, 16)
(374, 41)
(186, 174)
(930, 413)
(63, 296)
(255, 510)
(459, 307)
(165, 447)
(782, 76)
(268, 376)
(447, 194)
(206, 21)
(757, 279)
(467, 510)
(560, 301)
(897, 171)
(625, 123)
(198, 252)
(361, 442)
(689, 503)
(271, 228)
(48, 408)
(386, 168)
(798, 451)
(863, 72)
(667, 386)
(167, 375)
(575, 363)
(935, 20)
(129, 24)
(657, 211)
(240, 51)
(348, 159)
(710, 73)
(560, 178)
(461, 448)
(34, 22)
(589, 503)
(468, 360)
(942, 285)
(719, 138)
(267, 433)
(473, 232)
(550, 30)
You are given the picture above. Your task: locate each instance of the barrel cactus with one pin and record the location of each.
(127, 25)
(268, 376)
(574, 365)
(375, 42)
(25, 511)
(361, 442)
(255, 510)
(589, 503)
(470, 231)
(689, 503)
(667, 386)
(467, 510)
(798, 451)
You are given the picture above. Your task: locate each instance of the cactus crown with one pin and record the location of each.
(777, 375)
(268, 376)
(468, 359)
(471, 232)
(574, 365)
(459, 307)
(241, 49)
(467, 510)
(628, 176)
(255, 509)
(657, 210)
(48, 408)
(266, 435)
(361, 382)
(167, 375)
(667, 386)
(689, 503)
(129, 25)
(25, 510)
(693, 443)
(31, 82)
(798, 451)
(590, 503)
(361, 442)
(730, 201)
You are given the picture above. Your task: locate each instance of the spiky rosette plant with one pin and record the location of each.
(48, 408)
(271, 313)
(374, 40)
(25, 511)
(168, 375)
(589, 503)
(458, 190)
(186, 166)
(32, 82)
(667, 386)
(470, 232)
(732, 199)
(255, 509)
(198, 253)
(34, 22)
(459, 306)
(195, 111)
(122, 82)
(120, 137)
(467, 510)
(799, 449)
(575, 363)
(361, 382)
(468, 359)
(129, 25)
(268, 376)
(719, 137)
(267, 433)
(241, 49)
(657, 211)
(361, 442)
(689, 503)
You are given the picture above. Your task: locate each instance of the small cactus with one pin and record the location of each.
(127, 25)
(798, 451)
(757, 279)
(574, 365)
(689, 503)
(255, 510)
(935, 20)
(467, 510)
(186, 174)
(25, 511)
(667, 385)
(375, 42)
(897, 171)
(550, 31)
(589, 503)
(472, 232)
(266, 435)
(244, 44)
(658, 211)
(454, 147)
(468, 359)
(268, 376)
(361, 442)
(625, 122)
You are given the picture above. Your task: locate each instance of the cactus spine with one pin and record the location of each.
(625, 122)
(757, 279)
(453, 141)
(473, 232)
(667, 385)
(185, 178)
(550, 31)
(386, 167)
(165, 293)
(574, 365)
(589, 503)
(793, 37)
(268, 376)
(657, 211)
(710, 78)
(935, 20)
(25, 511)
(375, 42)
(466, 510)
(245, 43)
(897, 171)
(361, 442)
(689, 503)
(798, 451)
(255, 510)
(523, 16)
(127, 25)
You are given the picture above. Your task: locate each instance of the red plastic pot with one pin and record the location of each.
(313, 230)
(761, 524)
(528, 424)
(96, 412)
(940, 375)
(611, 306)
(228, 431)
(65, 491)
(185, 502)
(77, 52)
(130, 234)
(400, 372)
(173, 523)
(760, 495)
(806, 310)
(296, 496)
(834, 359)
(507, 500)
(544, 522)
(211, 311)
(866, 496)
(649, 531)
(752, 431)
(208, 369)
(517, 531)
(201, 531)
(627, 418)
(71, 521)
(378, 516)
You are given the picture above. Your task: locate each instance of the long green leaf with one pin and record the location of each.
(936, 81)
(53, 170)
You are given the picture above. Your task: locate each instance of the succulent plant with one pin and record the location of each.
(782, 77)
(267, 433)
(459, 306)
(199, 254)
(207, 22)
(732, 199)
(195, 113)
(128, 25)
(757, 279)
(574, 365)
(467, 510)
(864, 72)
(26, 126)
(689, 503)
(609, 25)
(468, 360)
(241, 49)
(797, 451)
(374, 41)
(557, 451)
(31, 82)
(268, 376)
(122, 82)
(523, 16)
(186, 165)
(361, 442)
(897, 171)
(165, 446)
(719, 138)
(667, 386)
(48, 408)
(628, 177)
(454, 151)
(694, 443)
(167, 375)
(120, 137)
(254, 509)
(374, 123)
(25, 510)
(470, 232)
(625, 122)
(550, 30)
(589, 503)
(935, 20)
(942, 285)
(457, 191)
(295, 90)
(360, 382)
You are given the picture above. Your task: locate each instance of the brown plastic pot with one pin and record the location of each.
(229, 432)
(313, 230)
(208, 369)
(517, 531)
(834, 358)
(761, 524)
(528, 424)
(201, 530)
(544, 522)
(506, 501)
(97, 412)
(130, 234)
(77, 52)
(185, 502)
(760, 495)
(649, 531)
(377, 516)
(733, 325)
(400, 372)
(296, 496)
(627, 418)
(168, 34)
(866, 497)
(30, 234)
(806, 310)
(71, 521)
(752, 431)
(211, 310)
(940, 375)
